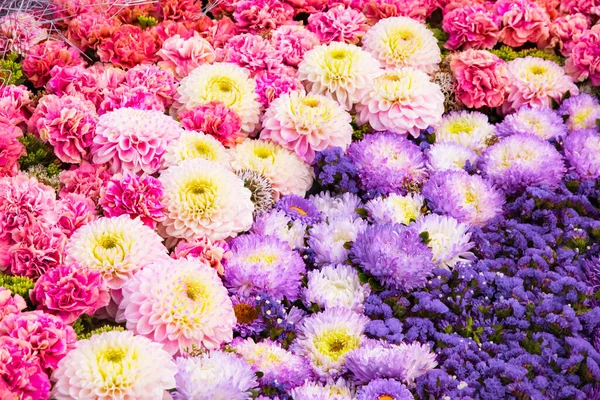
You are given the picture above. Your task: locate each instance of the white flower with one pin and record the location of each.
(344, 205)
(449, 156)
(328, 239)
(192, 145)
(277, 223)
(336, 286)
(470, 129)
(396, 208)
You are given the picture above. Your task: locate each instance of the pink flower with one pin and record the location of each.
(585, 7)
(50, 338)
(339, 24)
(522, 21)
(481, 78)
(215, 119)
(252, 52)
(215, 253)
(167, 28)
(565, 32)
(10, 149)
(257, 16)
(181, 10)
(376, 10)
(128, 46)
(43, 57)
(308, 6)
(584, 61)
(89, 29)
(472, 27)
(217, 32)
(21, 375)
(135, 196)
(67, 123)
(182, 55)
(74, 211)
(13, 103)
(19, 31)
(69, 291)
(292, 41)
(10, 304)
(271, 86)
(75, 81)
(86, 180)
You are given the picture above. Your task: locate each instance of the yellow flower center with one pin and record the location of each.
(335, 344)
(108, 241)
(195, 290)
(395, 87)
(385, 397)
(460, 126)
(204, 150)
(538, 70)
(200, 195)
(266, 258)
(580, 117)
(245, 313)
(339, 54)
(299, 210)
(310, 102)
(113, 354)
(223, 89)
(225, 86)
(263, 152)
(402, 43)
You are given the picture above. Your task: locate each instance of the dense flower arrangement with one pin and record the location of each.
(300, 200)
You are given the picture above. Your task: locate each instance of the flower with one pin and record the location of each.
(403, 101)
(45, 56)
(470, 27)
(395, 208)
(69, 291)
(582, 112)
(264, 264)
(541, 122)
(388, 162)
(581, 150)
(332, 390)
(214, 376)
(11, 149)
(76, 80)
(14, 103)
(448, 239)
(225, 82)
(263, 195)
(114, 365)
(306, 124)
(270, 86)
(521, 161)
(403, 42)
(298, 208)
(278, 224)
(252, 52)
(470, 129)
(286, 171)
(19, 32)
(384, 389)
(376, 10)
(128, 46)
(336, 286)
(214, 253)
(449, 156)
(21, 375)
(262, 15)
(582, 63)
(331, 206)
(74, 211)
(178, 303)
(86, 180)
(395, 255)
(566, 30)
(182, 55)
(195, 145)
(467, 198)
(215, 119)
(204, 198)
(522, 21)
(338, 23)
(329, 239)
(116, 247)
(481, 78)
(292, 42)
(536, 82)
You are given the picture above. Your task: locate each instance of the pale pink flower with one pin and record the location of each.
(292, 41)
(339, 24)
(19, 31)
(42, 57)
(584, 61)
(257, 16)
(565, 32)
(212, 252)
(420, 10)
(167, 29)
(252, 52)
(13, 104)
(86, 179)
(521, 21)
(89, 29)
(271, 86)
(74, 211)
(215, 119)
(10, 149)
(470, 27)
(10, 304)
(128, 46)
(182, 55)
(585, 7)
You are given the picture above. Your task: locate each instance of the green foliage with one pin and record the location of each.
(10, 71)
(146, 22)
(102, 329)
(39, 153)
(508, 54)
(359, 131)
(86, 326)
(17, 284)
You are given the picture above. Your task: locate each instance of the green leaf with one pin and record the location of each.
(425, 237)
(362, 212)
(364, 278)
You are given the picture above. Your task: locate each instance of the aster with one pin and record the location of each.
(403, 42)
(395, 208)
(114, 365)
(339, 389)
(384, 389)
(520, 161)
(445, 156)
(117, 247)
(336, 286)
(247, 310)
(298, 208)
(178, 303)
(582, 111)
(328, 240)
(195, 145)
(470, 129)
(581, 150)
(332, 206)
(264, 264)
(306, 124)
(541, 122)
(277, 223)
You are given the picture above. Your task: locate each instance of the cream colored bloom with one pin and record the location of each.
(192, 145)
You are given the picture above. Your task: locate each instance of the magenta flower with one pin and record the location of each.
(338, 24)
(584, 61)
(252, 52)
(43, 57)
(271, 86)
(86, 179)
(215, 119)
(74, 211)
(21, 375)
(292, 41)
(76, 80)
(10, 304)
(522, 21)
(13, 102)
(10, 149)
(470, 27)
(566, 31)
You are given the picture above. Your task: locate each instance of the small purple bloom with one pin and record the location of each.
(384, 389)
(298, 208)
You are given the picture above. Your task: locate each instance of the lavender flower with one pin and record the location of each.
(384, 389)
(582, 150)
(541, 122)
(298, 208)
(581, 111)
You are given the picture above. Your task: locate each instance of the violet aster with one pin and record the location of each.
(384, 389)
(582, 150)
(582, 111)
(298, 208)
(541, 122)
(329, 239)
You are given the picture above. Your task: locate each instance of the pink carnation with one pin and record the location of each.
(10, 149)
(75, 81)
(135, 196)
(166, 29)
(215, 119)
(215, 253)
(88, 30)
(128, 46)
(338, 24)
(257, 16)
(86, 179)
(565, 32)
(308, 6)
(182, 55)
(481, 78)
(43, 57)
(74, 211)
(253, 52)
(67, 123)
(21, 375)
(585, 7)
(50, 338)
(217, 32)
(181, 10)
(522, 21)
(472, 27)
(10, 304)
(271, 86)
(19, 31)
(584, 61)
(292, 41)
(69, 291)
(13, 103)
(376, 10)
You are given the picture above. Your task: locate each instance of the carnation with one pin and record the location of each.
(583, 61)
(252, 52)
(76, 80)
(581, 112)
(329, 240)
(74, 211)
(581, 149)
(277, 223)
(86, 180)
(128, 46)
(521, 21)
(566, 30)
(11, 149)
(470, 129)
(258, 16)
(339, 24)
(376, 10)
(215, 119)
(14, 102)
(89, 29)
(336, 286)
(541, 122)
(195, 145)
(182, 55)
(10, 304)
(21, 375)
(270, 86)
(395, 208)
(212, 252)
(19, 32)
(450, 156)
(470, 27)
(45, 56)
(292, 42)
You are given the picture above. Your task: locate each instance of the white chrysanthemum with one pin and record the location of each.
(340, 71)
(403, 42)
(344, 205)
(419, 359)
(336, 286)
(448, 239)
(204, 198)
(396, 208)
(225, 82)
(114, 365)
(338, 390)
(470, 129)
(449, 156)
(286, 171)
(402, 100)
(327, 337)
(307, 124)
(277, 223)
(192, 145)
(328, 239)
(117, 247)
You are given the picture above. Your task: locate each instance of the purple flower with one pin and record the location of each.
(384, 389)
(298, 208)
(335, 171)
(582, 149)
(581, 111)
(541, 122)
(248, 315)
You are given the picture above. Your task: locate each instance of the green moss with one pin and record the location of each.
(10, 71)
(17, 284)
(39, 153)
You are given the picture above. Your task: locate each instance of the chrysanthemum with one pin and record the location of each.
(332, 390)
(306, 124)
(327, 337)
(133, 140)
(403, 42)
(214, 376)
(582, 149)
(298, 208)
(536, 82)
(395, 208)
(277, 223)
(264, 264)
(387, 162)
(470, 129)
(449, 156)
(286, 171)
(419, 359)
(263, 195)
(541, 122)
(224, 82)
(341, 71)
(468, 198)
(192, 145)
(330, 206)
(582, 111)
(204, 198)
(117, 247)
(402, 101)
(384, 389)
(329, 239)
(520, 161)
(114, 365)
(279, 366)
(178, 303)
(336, 286)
